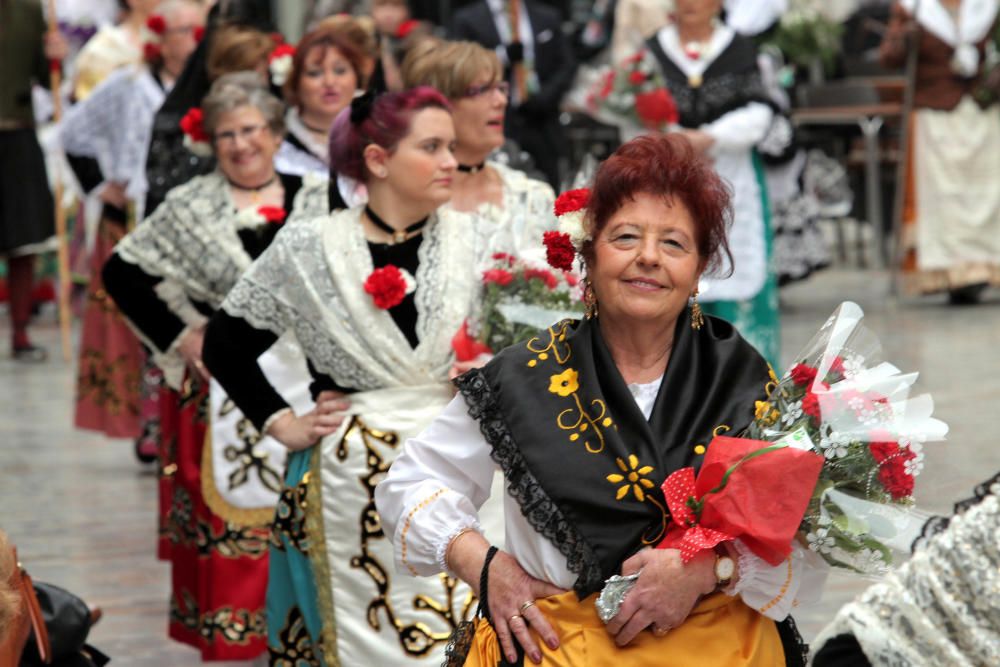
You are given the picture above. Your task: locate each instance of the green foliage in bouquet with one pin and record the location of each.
(518, 300)
(805, 36)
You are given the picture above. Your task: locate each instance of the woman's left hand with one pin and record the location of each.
(664, 594)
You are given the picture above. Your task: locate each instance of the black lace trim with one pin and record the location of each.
(538, 508)
(795, 648)
(938, 524)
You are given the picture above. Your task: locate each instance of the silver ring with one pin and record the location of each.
(660, 632)
(526, 606)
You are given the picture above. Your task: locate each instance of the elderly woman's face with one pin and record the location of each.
(327, 84)
(245, 146)
(479, 114)
(646, 262)
(696, 12)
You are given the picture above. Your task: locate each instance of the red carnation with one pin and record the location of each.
(893, 476)
(559, 250)
(504, 257)
(656, 108)
(280, 51)
(635, 57)
(810, 405)
(883, 451)
(636, 78)
(275, 214)
(541, 274)
(500, 277)
(571, 278)
(199, 33)
(151, 52)
(193, 125)
(608, 85)
(803, 375)
(156, 24)
(277, 38)
(406, 27)
(572, 200)
(386, 286)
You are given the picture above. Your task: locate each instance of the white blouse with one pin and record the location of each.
(443, 476)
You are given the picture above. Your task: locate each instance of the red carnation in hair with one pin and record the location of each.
(275, 214)
(559, 250)
(199, 33)
(193, 125)
(281, 50)
(656, 108)
(406, 27)
(151, 53)
(572, 200)
(386, 286)
(277, 38)
(156, 24)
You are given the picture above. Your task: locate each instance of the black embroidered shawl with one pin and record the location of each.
(579, 457)
(730, 82)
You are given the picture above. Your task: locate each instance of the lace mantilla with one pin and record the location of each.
(940, 608)
(938, 524)
(310, 281)
(538, 508)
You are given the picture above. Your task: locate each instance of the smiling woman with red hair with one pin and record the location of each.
(584, 422)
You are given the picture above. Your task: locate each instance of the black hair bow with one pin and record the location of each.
(361, 107)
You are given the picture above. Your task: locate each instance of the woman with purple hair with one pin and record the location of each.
(374, 295)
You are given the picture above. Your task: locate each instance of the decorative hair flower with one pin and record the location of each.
(199, 33)
(387, 286)
(196, 139)
(562, 247)
(152, 37)
(405, 28)
(279, 63)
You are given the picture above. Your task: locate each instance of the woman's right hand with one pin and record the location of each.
(508, 590)
(302, 432)
(190, 347)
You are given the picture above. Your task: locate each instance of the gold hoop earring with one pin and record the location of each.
(697, 318)
(589, 299)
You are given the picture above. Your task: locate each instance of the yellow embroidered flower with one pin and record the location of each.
(634, 478)
(564, 383)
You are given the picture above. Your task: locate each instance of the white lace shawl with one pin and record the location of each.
(310, 280)
(517, 226)
(191, 243)
(940, 608)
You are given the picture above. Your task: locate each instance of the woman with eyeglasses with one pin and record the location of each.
(168, 276)
(374, 294)
(512, 210)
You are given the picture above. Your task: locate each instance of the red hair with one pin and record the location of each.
(389, 121)
(665, 166)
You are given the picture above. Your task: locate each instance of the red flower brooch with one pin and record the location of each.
(387, 287)
(196, 139)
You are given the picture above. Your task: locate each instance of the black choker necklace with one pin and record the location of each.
(398, 235)
(312, 129)
(255, 188)
(471, 168)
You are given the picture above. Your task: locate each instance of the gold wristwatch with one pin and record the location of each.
(725, 568)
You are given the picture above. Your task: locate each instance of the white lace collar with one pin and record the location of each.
(670, 41)
(975, 18)
(296, 128)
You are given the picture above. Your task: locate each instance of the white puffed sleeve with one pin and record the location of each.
(740, 129)
(775, 590)
(434, 489)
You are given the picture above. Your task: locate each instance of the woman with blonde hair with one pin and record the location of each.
(512, 210)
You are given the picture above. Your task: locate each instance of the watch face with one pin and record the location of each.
(724, 568)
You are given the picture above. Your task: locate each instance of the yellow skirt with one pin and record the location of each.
(720, 632)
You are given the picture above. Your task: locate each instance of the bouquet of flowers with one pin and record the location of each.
(830, 457)
(807, 35)
(637, 92)
(518, 300)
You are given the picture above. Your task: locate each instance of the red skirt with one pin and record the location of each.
(169, 417)
(109, 375)
(218, 570)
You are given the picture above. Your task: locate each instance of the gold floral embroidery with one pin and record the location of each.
(564, 383)
(634, 477)
(556, 346)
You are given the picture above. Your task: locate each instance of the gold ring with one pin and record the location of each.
(526, 606)
(511, 619)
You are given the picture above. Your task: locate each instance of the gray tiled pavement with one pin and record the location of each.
(83, 512)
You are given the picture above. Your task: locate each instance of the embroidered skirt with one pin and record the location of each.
(218, 570)
(109, 371)
(721, 632)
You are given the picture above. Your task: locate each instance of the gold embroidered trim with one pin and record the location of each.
(781, 593)
(318, 557)
(406, 525)
(245, 518)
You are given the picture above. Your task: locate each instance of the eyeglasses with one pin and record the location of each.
(501, 86)
(245, 133)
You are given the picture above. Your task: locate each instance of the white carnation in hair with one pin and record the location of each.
(199, 148)
(573, 224)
